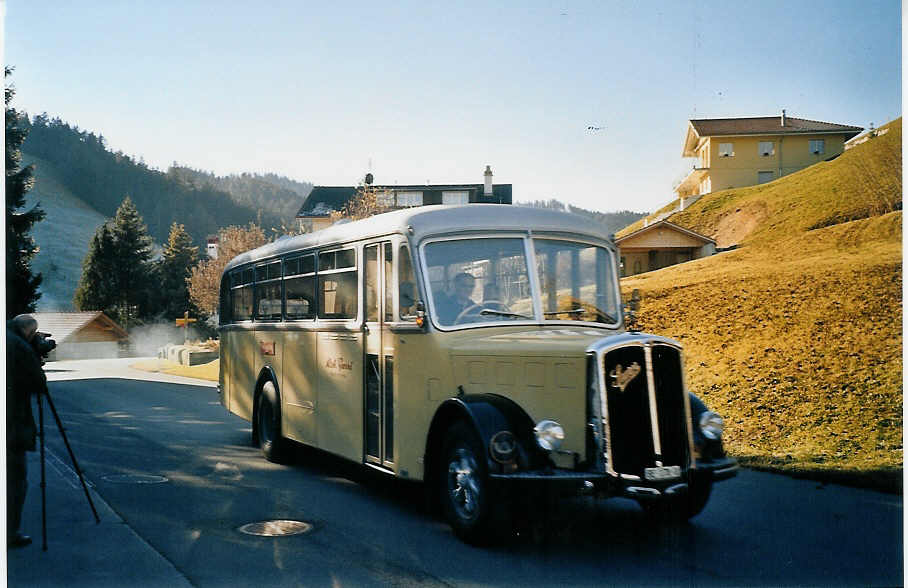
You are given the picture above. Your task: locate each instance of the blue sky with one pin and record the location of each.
(435, 91)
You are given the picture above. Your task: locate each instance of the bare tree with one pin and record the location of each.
(367, 201)
(205, 278)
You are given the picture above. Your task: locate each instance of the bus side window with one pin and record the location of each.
(388, 267)
(337, 297)
(299, 288)
(407, 285)
(224, 303)
(241, 295)
(268, 291)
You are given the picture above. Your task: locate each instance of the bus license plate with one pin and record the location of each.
(662, 473)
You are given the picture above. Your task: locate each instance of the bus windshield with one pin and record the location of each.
(483, 280)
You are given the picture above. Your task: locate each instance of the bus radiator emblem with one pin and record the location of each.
(622, 377)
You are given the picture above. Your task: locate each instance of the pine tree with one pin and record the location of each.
(21, 284)
(96, 289)
(173, 272)
(117, 274)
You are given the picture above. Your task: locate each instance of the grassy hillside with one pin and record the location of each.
(796, 336)
(63, 236)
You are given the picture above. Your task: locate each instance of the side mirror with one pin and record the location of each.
(420, 314)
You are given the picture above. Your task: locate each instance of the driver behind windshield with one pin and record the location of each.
(454, 303)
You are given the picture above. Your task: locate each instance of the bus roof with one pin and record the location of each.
(423, 221)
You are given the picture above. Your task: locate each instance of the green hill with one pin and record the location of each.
(795, 337)
(277, 195)
(101, 178)
(63, 236)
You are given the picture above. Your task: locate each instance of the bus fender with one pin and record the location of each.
(265, 375)
(488, 415)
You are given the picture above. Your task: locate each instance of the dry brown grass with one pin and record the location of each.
(205, 371)
(796, 337)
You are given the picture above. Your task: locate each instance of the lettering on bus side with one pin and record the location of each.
(339, 364)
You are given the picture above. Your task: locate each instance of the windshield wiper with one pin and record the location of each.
(572, 311)
(488, 311)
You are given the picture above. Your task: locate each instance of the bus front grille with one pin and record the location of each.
(644, 414)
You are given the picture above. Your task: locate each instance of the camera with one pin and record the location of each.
(43, 344)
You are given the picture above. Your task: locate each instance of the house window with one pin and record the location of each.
(455, 197)
(384, 197)
(817, 146)
(409, 198)
(766, 148)
(764, 176)
(726, 150)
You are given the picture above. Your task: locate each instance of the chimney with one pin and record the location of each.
(487, 189)
(211, 247)
(783, 117)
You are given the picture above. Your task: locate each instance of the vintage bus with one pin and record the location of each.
(471, 347)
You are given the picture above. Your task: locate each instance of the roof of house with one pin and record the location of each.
(62, 325)
(668, 225)
(323, 200)
(762, 125)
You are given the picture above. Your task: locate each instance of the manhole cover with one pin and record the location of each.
(135, 479)
(279, 528)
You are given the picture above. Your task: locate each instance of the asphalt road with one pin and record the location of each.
(201, 481)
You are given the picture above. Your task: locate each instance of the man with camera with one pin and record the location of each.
(24, 377)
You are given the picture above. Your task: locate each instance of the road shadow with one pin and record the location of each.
(530, 521)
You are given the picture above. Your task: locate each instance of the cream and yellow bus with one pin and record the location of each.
(471, 347)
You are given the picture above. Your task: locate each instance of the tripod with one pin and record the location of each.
(72, 457)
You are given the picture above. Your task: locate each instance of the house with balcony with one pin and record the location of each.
(738, 152)
(319, 207)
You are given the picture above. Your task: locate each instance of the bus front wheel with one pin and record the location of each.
(268, 422)
(464, 484)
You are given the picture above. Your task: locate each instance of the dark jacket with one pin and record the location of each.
(24, 377)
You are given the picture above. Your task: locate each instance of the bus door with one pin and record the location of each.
(378, 361)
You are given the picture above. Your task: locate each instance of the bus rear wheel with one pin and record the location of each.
(268, 425)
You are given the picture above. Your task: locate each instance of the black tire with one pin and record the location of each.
(463, 484)
(681, 508)
(268, 425)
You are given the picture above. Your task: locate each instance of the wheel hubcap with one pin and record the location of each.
(463, 487)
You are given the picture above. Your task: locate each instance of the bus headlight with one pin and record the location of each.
(549, 435)
(711, 425)
(503, 447)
